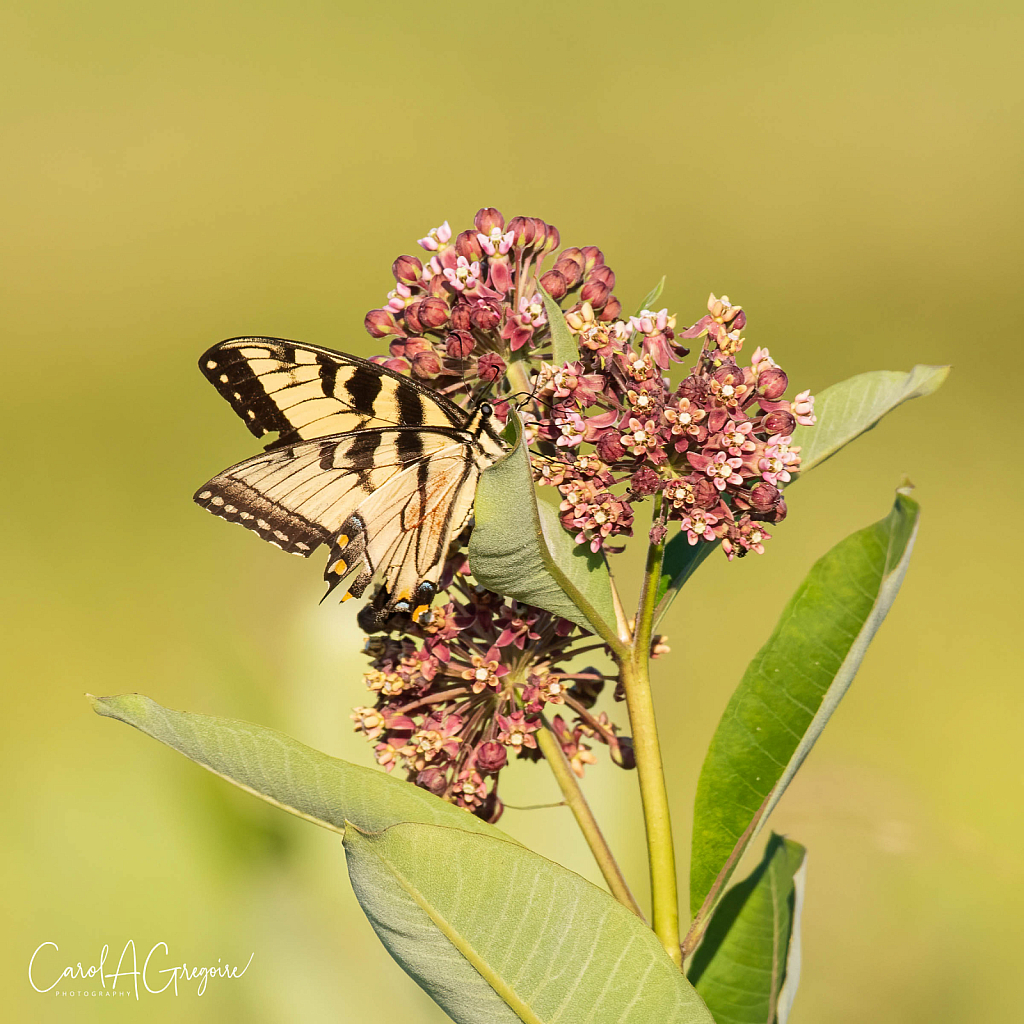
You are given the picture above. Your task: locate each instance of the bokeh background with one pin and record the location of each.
(178, 173)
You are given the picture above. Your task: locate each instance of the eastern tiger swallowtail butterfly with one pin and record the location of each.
(374, 464)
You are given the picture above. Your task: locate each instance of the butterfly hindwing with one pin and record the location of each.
(404, 529)
(304, 392)
(299, 495)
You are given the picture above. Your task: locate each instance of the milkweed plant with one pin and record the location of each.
(618, 426)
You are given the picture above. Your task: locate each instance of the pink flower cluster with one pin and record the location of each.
(461, 691)
(456, 319)
(610, 430)
(463, 688)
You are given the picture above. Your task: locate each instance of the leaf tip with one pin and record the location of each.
(934, 376)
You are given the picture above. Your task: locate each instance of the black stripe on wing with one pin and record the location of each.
(266, 380)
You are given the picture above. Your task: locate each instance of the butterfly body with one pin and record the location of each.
(372, 463)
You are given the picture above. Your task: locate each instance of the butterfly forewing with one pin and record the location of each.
(303, 392)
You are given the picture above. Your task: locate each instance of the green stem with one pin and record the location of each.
(636, 680)
(518, 376)
(570, 787)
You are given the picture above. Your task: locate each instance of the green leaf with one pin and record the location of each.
(652, 296)
(790, 691)
(563, 342)
(286, 773)
(852, 407)
(518, 548)
(495, 933)
(794, 958)
(748, 966)
(845, 411)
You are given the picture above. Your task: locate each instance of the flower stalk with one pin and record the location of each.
(577, 803)
(636, 681)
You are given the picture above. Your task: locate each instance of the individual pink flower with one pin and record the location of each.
(721, 318)
(736, 437)
(516, 731)
(642, 437)
(803, 409)
(495, 243)
(778, 459)
(572, 381)
(571, 430)
(464, 276)
(699, 525)
(398, 297)
(436, 238)
(485, 671)
(719, 467)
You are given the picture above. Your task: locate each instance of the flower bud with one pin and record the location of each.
(622, 752)
(609, 448)
(491, 757)
(570, 269)
(592, 257)
(780, 422)
(730, 374)
(780, 512)
(612, 309)
(487, 219)
(596, 293)
(459, 344)
(705, 493)
(540, 232)
(554, 284)
(485, 316)
(433, 780)
(645, 481)
(407, 269)
(381, 322)
(491, 367)
(461, 312)
(412, 320)
(433, 313)
(551, 239)
(603, 273)
(468, 245)
(764, 497)
(574, 254)
(772, 383)
(438, 287)
(523, 230)
(426, 365)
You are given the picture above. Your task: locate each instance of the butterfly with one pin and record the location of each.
(375, 465)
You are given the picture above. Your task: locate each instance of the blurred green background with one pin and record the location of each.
(175, 174)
